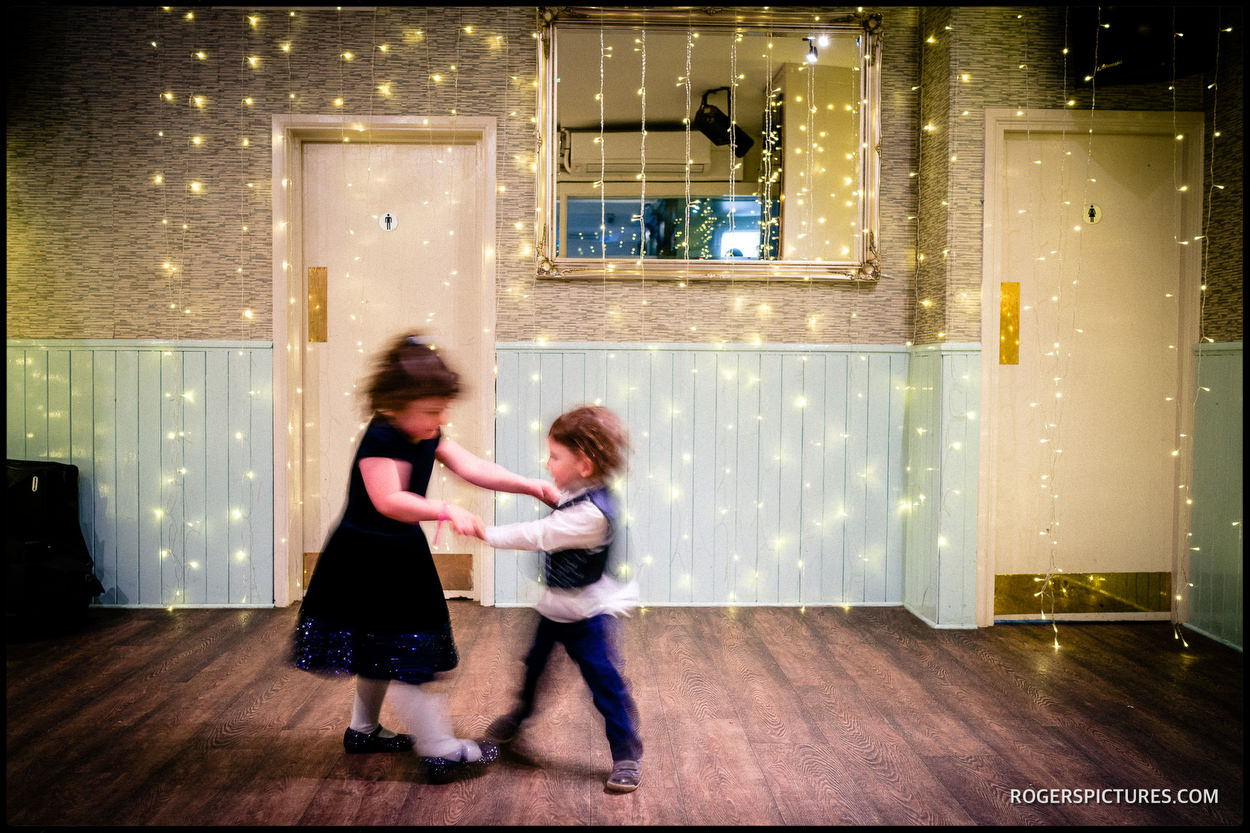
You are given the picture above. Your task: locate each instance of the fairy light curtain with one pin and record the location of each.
(264, 48)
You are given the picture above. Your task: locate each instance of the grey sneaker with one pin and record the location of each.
(625, 776)
(504, 728)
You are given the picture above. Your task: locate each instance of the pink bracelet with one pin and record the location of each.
(442, 516)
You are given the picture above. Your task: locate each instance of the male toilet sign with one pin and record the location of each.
(387, 221)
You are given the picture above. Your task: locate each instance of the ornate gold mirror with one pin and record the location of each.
(683, 143)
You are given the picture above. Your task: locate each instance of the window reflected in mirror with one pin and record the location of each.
(735, 144)
(721, 228)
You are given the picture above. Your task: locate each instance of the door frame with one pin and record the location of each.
(290, 319)
(998, 123)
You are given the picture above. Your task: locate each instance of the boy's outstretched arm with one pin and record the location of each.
(580, 525)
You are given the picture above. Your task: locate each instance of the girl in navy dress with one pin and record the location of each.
(374, 606)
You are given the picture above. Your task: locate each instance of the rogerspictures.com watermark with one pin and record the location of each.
(1115, 795)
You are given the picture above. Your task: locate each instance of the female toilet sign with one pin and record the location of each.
(387, 221)
(1093, 213)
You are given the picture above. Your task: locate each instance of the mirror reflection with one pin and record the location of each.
(725, 144)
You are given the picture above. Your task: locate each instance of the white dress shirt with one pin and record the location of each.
(580, 526)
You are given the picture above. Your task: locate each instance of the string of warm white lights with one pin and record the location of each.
(166, 97)
(686, 122)
(859, 159)
(1185, 444)
(916, 499)
(599, 183)
(173, 484)
(453, 195)
(1213, 187)
(1213, 190)
(769, 149)
(319, 355)
(505, 141)
(114, 270)
(461, 30)
(1049, 482)
(175, 526)
(426, 74)
(809, 187)
(1048, 479)
(733, 153)
(943, 312)
(807, 199)
(529, 287)
(246, 61)
(735, 78)
(1182, 444)
(169, 264)
(920, 303)
(808, 129)
(359, 255)
(733, 133)
(196, 104)
(642, 182)
(527, 162)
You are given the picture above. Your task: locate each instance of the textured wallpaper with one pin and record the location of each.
(99, 248)
(138, 166)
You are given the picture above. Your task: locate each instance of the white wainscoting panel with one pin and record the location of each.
(174, 447)
(1216, 557)
(942, 447)
(759, 475)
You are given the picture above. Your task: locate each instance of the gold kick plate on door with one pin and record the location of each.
(1144, 592)
(318, 303)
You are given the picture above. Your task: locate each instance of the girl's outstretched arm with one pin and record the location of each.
(384, 478)
(493, 476)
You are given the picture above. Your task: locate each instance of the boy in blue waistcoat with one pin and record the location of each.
(578, 607)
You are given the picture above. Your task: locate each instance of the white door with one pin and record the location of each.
(1081, 474)
(404, 236)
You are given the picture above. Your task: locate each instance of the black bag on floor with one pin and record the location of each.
(49, 578)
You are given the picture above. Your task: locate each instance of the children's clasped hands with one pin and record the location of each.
(463, 522)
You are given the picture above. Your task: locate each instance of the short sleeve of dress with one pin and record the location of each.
(382, 439)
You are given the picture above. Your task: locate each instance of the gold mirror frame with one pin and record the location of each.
(866, 267)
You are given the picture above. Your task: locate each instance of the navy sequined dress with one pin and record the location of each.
(374, 605)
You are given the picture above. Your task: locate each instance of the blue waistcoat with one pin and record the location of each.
(580, 567)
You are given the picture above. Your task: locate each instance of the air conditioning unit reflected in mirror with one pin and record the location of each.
(619, 158)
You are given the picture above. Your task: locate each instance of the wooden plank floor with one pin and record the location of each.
(751, 716)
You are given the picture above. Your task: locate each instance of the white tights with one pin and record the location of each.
(423, 711)
(368, 704)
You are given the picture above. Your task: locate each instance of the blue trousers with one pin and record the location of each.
(593, 645)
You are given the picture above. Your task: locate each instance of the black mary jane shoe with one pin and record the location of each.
(444, 771)
(357, 743)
